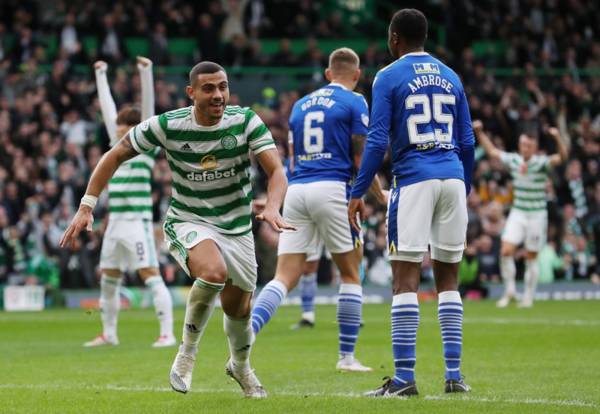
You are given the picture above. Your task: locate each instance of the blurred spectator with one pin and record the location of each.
(73, 128)
(52, 138)
(234, 22)
(24, 47)
(254, 17)
(70, 41)
(208, 37)
(159, 53)
(469, 280)
(284, 56)
(488, 254)
(254, 54)
(576, 188)
(235, 52)
(110, 42)
(313, 56)
(3, 42)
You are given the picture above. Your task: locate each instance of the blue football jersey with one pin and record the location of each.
(286, 168)
(321, 127)
(419, 106)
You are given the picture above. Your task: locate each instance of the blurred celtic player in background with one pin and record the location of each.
(129, 240)
(208, 224)
(528, 219)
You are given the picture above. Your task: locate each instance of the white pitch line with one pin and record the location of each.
(467, 319)
(463, 398)
(518, 321)
(535, 401)
(51, 318)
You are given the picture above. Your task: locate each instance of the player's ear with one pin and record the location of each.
(189, 91)
(356, 76)
(328, 74)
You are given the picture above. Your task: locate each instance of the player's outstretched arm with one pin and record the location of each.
(466, 141)
(358, 146)
(485, 141)
(107, 104)
(376, 145)
(370, 164)
(102, 173)
(563, 152)
(291, 151)
(144, 66)
(276, 189)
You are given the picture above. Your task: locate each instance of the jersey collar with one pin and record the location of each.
(414, 54)
(204, 127)
(338, 85)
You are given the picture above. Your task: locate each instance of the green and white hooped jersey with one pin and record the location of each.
(529, 181)
(210, 165)
(130, 191)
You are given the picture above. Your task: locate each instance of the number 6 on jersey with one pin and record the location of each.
(313, 132)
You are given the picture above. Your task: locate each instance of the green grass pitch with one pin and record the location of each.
(540, 360)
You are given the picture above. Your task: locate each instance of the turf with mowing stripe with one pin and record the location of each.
(540, 360)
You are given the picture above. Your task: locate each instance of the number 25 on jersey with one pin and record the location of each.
(439, 117)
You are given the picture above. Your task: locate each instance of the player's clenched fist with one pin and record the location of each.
(100, 65)
(554, 133)
(477, 126)
(143, 61)
(83, 220)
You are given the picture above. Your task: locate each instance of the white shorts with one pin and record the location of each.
(432, 212)
(318, 210)
(238, 251)
(128, 245)
(317, 253)
(527, 228)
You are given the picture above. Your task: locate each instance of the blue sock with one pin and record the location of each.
(450, 315)
(267, 303)
(308, 290)
(349, 311)
(405, 321)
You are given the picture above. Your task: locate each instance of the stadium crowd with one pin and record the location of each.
(52, 136)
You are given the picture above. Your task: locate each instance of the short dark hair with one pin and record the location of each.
(204, 67)
(530, 134)
(411, 24)
(129, 115)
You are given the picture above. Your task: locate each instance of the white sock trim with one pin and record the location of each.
(153, 279)
(109, 279)
(351, 288)
(278, 285)
(239, 321)
(309, 277)
(531, 263)
(409, 298)
(449, 296)
(309, 316)
(239, 334)
(507, 267)
(110, 303)
(531, 276)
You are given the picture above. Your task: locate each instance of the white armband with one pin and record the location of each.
(89, 200)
